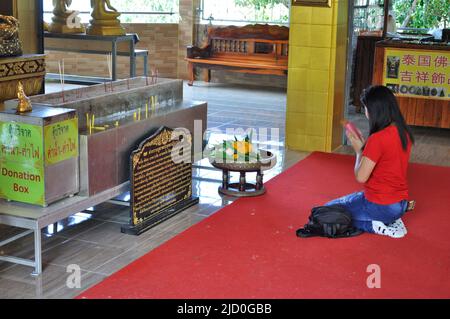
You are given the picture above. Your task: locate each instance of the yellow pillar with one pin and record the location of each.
(316, 80)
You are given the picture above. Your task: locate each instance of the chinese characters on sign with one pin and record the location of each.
(422, 74)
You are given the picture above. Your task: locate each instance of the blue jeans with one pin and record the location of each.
(364, 212)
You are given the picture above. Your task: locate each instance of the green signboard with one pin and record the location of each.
(61, 141)
(22, 163)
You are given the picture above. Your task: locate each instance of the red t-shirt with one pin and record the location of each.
(388, 182)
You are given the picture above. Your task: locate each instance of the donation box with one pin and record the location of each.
(39, 155)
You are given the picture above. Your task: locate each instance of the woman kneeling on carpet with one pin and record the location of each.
(381, 164)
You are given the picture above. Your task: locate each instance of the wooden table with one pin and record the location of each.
(243, 188)
(76, 43)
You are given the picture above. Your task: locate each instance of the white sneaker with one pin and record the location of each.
(381, 229)
(399, 224)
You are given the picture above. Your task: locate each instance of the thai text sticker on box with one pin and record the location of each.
(61, 141)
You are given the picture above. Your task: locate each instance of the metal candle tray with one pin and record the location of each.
(124, 115)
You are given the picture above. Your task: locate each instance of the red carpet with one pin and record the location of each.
(249, 249)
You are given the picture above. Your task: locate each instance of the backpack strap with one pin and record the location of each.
(306, 232)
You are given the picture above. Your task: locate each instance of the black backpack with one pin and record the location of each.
(329, 221)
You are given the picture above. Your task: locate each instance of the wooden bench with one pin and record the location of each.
(258, 49)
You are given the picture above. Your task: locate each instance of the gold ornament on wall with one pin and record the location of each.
(29, 70)
(105, 19)
(9, 37)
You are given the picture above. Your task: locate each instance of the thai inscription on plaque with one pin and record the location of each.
(161, 179)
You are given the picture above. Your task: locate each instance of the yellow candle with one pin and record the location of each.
(117, 124)
(139, 114)
(134, 116)
(153, 103)
(146, 110)
(92, 123)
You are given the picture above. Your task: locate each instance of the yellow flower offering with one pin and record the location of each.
(236, 151)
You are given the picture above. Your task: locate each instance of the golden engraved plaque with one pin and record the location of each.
(160, 186)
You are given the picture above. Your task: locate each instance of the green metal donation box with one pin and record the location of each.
(39, 155)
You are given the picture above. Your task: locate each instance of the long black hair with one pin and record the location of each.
(383, 110)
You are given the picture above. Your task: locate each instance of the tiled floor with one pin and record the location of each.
(93, 240)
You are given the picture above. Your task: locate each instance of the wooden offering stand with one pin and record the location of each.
(243, 188)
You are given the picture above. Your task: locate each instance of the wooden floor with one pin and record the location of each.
(93, 240)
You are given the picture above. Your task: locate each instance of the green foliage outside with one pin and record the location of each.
(263, 8)
(422, 14)
(261, 4)
(148, 6)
